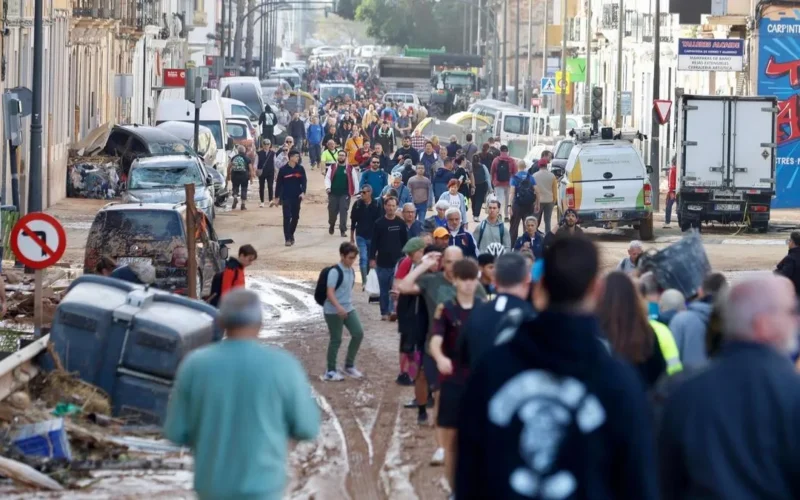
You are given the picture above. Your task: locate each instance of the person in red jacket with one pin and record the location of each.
(232, 276)
(671, 182)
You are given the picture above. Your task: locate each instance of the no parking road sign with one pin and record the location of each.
(38, 240)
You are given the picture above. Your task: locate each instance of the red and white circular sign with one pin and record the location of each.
(38, 240)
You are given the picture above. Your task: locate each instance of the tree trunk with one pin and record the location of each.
(248, 43)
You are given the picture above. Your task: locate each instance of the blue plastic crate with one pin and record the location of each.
(44, 439)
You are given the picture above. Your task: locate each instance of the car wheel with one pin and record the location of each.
(646, 229)
(685, 226)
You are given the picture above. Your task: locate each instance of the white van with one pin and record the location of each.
(234, 107)
(511, 123)
(173, 107)
(607, 184)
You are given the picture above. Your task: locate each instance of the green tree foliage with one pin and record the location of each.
(347, 8)
(416, 23)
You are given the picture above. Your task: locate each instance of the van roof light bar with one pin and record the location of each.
(606, 134)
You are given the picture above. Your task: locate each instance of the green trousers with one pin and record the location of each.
(335, 327)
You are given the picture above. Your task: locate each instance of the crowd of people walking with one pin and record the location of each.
(546, 377)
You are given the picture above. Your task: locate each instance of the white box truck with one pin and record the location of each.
(726, 160)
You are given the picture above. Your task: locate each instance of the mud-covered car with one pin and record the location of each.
(161, 179)
(156, 233)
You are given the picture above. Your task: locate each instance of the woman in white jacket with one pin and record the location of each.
(455, 199)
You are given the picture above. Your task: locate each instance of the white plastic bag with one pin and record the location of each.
(373, 288)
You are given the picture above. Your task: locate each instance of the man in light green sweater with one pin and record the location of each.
(236, 404)
(492, 229)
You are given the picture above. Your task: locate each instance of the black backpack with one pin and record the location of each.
(503, 170)
(216, 286)
(524, 195)
(321, 291)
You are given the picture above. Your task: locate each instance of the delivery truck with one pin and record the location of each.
(726, 160)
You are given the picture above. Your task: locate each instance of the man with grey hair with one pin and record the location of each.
(237, 403)
(512, 277)
(240, 172)
(413, 225)
(458, 234)
(736, 420)
(670, 303)
(631, 262)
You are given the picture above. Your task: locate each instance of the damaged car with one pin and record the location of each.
(162, 179)
(155, 233)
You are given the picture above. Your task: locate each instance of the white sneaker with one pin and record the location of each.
(333, 376)
(475, 219)
(353, 372)
(438, 457)
(261, 205)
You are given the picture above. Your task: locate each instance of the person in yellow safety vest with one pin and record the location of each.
(669, 349)
(329, 156)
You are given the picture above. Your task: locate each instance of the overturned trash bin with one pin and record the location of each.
(682, 265)
(128, 340)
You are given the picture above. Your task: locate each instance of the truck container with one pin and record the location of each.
(726, 160)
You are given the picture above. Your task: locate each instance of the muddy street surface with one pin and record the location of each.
(370, 447)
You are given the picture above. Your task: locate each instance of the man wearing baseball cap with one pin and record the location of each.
(441, 238)
(569, 226)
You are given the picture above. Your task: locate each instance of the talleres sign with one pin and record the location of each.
(710, 54)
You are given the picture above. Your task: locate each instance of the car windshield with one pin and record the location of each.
(167, 148)
(398, 98)
(458, 80)
(326, 93)
(564, 149)
(149, 177)
(518, 125)
(237, 131)
(239, 110)
(142, 224)
(216, 130)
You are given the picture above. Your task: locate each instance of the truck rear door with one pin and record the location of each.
(752, 160)
(704, 142)
(610, 177)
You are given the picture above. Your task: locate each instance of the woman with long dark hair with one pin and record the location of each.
(623, 317)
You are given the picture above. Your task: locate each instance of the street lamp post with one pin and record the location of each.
(516, 59)
(35, 169)
(655, 174)
(562, 122)
(618, 85)
(505, 45)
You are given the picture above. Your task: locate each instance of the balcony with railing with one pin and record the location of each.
(131, 13)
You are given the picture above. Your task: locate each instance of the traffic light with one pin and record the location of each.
(597, 107)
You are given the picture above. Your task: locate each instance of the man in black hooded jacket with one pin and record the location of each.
(550, 413)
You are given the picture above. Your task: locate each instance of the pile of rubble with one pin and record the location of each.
(93, 177)
(57, 432)
(20, 291)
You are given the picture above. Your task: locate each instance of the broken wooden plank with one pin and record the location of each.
(27, 475)
(17, 368)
